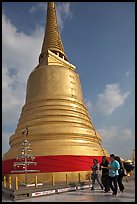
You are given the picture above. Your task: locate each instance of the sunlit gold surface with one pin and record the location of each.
(127, 161)
(56, 115)
(58, 120)
(47, 177)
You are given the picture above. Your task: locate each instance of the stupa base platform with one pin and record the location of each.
(47, 178)
(28, 192)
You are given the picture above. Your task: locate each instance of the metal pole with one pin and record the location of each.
(36, 181)
(16, 183)
(25, 165)
(66, 178)
(10, 182)
(25, 153)
(90, 176)
(79, 177)
(53, 181)
(4, 182)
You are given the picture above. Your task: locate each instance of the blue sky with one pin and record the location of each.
(99, 39)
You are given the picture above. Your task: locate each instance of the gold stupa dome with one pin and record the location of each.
(61, 133)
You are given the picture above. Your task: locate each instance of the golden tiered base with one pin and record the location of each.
(58, 122)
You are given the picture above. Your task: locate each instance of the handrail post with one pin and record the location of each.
(53, 181)
(36, 181)
(10, 182)
(89, 176)
(16, 183)
(4, 182)
(79, 178)
(66, 178)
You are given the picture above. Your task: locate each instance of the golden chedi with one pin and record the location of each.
(61, 134)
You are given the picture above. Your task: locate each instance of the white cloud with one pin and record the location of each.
(108, 132)
(5, 141)
(20, 54)
(128, 134)
(115, 132)
(118, 140)
(111, 98)
(63, 11)
(127, 73)
(88, 104)
(38, 6)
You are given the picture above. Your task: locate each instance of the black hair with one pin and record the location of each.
(104, 157)
(106, 161)
(95, 160)
(112, 155)
(118, 159)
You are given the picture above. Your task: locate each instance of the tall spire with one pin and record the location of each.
(52, 40)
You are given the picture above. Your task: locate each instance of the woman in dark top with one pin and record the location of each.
(95, 174)
(121, 174)
(105, 172)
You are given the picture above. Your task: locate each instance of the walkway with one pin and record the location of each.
(87, 195)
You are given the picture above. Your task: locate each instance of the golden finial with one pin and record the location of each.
(52, 40)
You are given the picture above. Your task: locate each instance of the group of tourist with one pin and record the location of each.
(112, 174)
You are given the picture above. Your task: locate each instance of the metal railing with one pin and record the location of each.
(16, 183)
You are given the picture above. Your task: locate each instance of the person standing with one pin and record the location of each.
(121, 174)
(105, 174)
(113, 167)
(95, 174)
